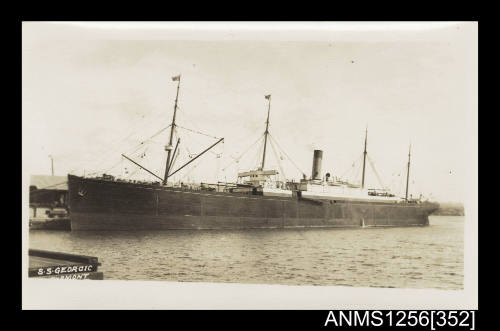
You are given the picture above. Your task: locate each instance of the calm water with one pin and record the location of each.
(419, 257)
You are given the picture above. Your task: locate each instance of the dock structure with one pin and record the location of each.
(48, 264)
(48, 203)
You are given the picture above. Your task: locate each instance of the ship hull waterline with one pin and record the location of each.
(96, 204)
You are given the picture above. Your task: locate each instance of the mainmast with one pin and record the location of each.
(364, 160)
(268, 97)
(408, 174)
(168, 148)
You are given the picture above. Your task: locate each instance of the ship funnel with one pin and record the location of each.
(316, 169)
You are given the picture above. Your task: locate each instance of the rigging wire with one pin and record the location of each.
(144, 143)
(355, 178)
(397, 182)
(136, 148)
(258, 157)
(114, 166)
(194, 140)
(119, 144)
(150, 138)
(278, 160)
(190, 171)
(242, 154)
(376, 173)
(133, 153)
(198, 132)
(218, 162)
(401, 180)
(351, 169)
(175, 138)
(192, 167)
(175, 159)
(186, 116)
(282, 151)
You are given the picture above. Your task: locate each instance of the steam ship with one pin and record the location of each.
(255, 201)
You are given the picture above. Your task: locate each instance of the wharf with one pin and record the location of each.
(48, 264)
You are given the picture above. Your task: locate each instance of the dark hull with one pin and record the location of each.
(106, 205)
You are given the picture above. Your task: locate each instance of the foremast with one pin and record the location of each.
(168, 148)
(171, 157)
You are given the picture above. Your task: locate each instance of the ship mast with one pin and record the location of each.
(268, 97)
(364, 160)
(408, 174)
(168, 148)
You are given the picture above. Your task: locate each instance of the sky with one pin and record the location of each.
(92, 91)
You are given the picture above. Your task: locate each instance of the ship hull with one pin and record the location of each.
(108, 205)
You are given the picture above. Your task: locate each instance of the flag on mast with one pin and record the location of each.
(268, 96)
(176, 78)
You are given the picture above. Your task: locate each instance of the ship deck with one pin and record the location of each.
(373, 200)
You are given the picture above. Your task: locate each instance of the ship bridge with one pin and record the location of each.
(257, 178)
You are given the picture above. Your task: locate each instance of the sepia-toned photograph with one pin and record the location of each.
(329, 155)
